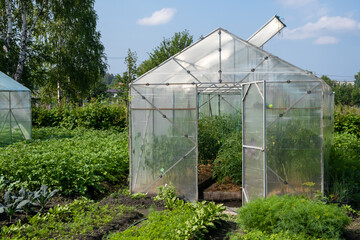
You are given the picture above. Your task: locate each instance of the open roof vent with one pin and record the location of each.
(266, 32)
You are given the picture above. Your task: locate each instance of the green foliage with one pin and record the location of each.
(357, 80)
(228, 163)
(25, 200)
(344, 167)
(168, 194)
(259, 235)
(75, 162)
(43, 195)
(165, 50)
(293, 215)
(70, 221)
(93, 115)
(347, 120)
(213, 132)
(345, 93)
(185, 221)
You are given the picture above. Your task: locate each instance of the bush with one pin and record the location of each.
(93, 115)
(344, 167)
(347, 120)
(73, 161)
(293, 215)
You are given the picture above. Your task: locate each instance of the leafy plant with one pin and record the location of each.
(77, 220)
(344, 169)
(185, 221)
(14, 203)
(213, 132)
(93, 115)
(293, 215)
(168, 194)
(43, 195)
(228, 163)
(76, 162)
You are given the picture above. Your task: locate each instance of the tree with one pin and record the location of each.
(357, 80)
(19, 20)
(76, 55)
(128, 76)
(329, 82)
(165, 50)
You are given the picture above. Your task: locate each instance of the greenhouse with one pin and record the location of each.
(15, 111)
(286, 115)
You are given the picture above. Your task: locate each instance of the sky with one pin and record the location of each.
(322, 36)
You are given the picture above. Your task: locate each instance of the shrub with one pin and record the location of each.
(344, 168)
(93, 115)
(293, 215)
(347, 120)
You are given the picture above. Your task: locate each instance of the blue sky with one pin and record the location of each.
(321, 36)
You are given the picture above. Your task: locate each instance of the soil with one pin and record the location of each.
(352, 232)
(204, 172)
(221, 230)
(224, 187)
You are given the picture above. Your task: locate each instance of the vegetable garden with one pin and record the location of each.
(71, 183)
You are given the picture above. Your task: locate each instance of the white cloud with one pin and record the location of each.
(159, 17)
(323, 28)
(326, 40)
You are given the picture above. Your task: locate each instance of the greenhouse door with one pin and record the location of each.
(254, 160)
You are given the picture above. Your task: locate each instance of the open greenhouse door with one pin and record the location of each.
(254, 158)
(163, 139)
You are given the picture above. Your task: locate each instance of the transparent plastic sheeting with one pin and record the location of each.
(215, 76)
(15, 116)
(253, 155)
(293, 138)
(219, 104)
(163, 139)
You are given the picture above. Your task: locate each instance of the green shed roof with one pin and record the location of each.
(9, 84)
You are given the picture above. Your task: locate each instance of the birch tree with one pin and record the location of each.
(19, 19)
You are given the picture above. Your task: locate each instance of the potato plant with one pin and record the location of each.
(73, 161)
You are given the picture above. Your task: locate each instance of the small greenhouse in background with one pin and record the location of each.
(15, 110)
(286, 115)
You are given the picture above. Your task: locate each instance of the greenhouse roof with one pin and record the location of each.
(221, 59)
(9, 84)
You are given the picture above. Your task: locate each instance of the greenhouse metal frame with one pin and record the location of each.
(15, 111)
(287, 119)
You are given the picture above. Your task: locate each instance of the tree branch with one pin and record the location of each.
(36, 19)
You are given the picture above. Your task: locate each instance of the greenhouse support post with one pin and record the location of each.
(264, 136)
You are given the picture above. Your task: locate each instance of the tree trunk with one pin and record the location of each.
(23, 43)
(25, 36)
(8, 35)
